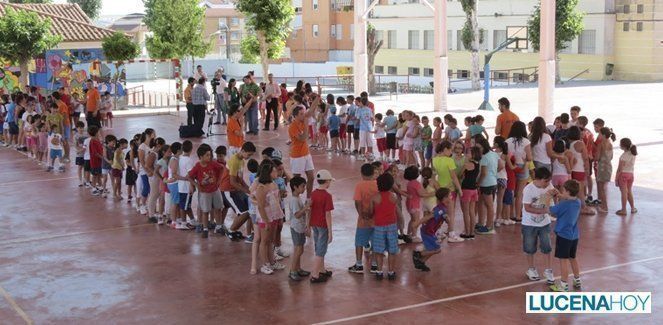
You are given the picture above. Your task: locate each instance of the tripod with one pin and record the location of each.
(210, 122)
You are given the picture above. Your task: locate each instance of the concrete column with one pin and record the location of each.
(441, 59)
(360, 56)
(547, 60)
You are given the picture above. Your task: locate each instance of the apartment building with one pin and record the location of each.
(622, 39)
(323, 30)
(224, 25)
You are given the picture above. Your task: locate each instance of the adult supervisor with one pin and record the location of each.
(506, 118)
(301, 161)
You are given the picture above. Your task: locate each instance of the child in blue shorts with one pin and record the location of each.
(384, 208)
(432, 221)
(567, 212)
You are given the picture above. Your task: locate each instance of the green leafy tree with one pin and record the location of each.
(471, 38)
(177, 27)
(568, 25)
(373, 46)
(24, 35)
(119, 47)
(249, 46)
(90, 7)
(270, 21)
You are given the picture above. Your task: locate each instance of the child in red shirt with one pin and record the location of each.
(320, 222)
(383, 206)
(206, 177)
(220, 218)
(96, 156)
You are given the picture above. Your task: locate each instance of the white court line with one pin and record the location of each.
(36, 181)
(474, 294)
(15, 306)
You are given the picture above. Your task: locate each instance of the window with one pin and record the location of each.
(463, 74)
(352, 32)
(339, 32)
(379, 69)
(379, 36)
(392, 70)
(413, 71)
(413, 39)
(332, 28)
(429, 40)
(223, 23)
(638, 26)
(641, 9)
(315, 30)
(459, 40)
(234, 36)
(449, 40)
(499, 36)
(315, 4)
(627, 9)
(428, 72)
(587, 42)
(234, 21)
(391, 39)
(626, 26)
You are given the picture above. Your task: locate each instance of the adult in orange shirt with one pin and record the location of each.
(189, 101)
(301, 161)
(506, 119)
(63, 110)
(92, 104)
(235, 122)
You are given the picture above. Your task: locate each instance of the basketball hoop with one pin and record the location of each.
(519, 33)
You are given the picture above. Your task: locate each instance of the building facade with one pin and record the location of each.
(225, 27)
(323, 30)
(621, 39)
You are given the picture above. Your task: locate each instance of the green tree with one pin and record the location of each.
(568, 25)
(90, 7)
(24, 35)
(119, 47)
(177, 27)
(270, 21)
(471, 38)
(249, 46)
(373, 46)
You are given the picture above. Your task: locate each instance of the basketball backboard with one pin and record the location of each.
(519, 32)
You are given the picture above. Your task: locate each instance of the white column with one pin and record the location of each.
(360, 66)
(547, 60)
(441, 60)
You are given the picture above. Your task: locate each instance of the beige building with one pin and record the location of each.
(323, 30)
(133, 25)
(224, 25)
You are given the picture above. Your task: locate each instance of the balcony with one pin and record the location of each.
(342, 5)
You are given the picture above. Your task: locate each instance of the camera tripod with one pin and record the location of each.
(212, 114)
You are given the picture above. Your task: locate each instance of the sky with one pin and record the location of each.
(117, 7)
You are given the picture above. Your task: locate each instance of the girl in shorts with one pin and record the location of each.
(269, 215)
(469, 185)
(131, 176)
(561, 165)
(604, 167)
(624, 177)
(415, 192)
(42, 141)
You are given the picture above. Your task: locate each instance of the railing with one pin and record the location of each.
(579, 74)
(136, 96)
(139, 97)
(339, 5)
(345, 82)
(516, 76)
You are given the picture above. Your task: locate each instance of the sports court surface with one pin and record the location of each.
(68, 257)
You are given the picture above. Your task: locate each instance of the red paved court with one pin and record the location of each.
(68, 257)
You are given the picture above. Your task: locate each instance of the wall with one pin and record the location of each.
(639, 54)
(234, 69)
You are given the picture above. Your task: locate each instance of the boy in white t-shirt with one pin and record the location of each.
(184, 187)
(55, 149)
(537, 198)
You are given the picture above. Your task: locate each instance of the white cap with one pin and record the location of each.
(324, 175)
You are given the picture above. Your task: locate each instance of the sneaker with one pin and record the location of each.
(96, 192)
(327, 274)
(455, 239)
(61, 168)
(359, 269)
(49, 168)
(374, 269)
(532, 274)
(211, 225)
(181, 226)
(391, 276)
(407, 239)
(550, 279)
(485, 231)
(477, 226)
(416, 256)
(238, 234)
(303, 273)
(277, 266)
(219, 230)
(266, 269)
(143, 209)
(280, 252)
(379, 275)
(589, 199)
(152, 219)
(278, 257)
(294, 276)
(199, 228)
(577, 283)
(319, 279)
(249, 239)
(205, 233)
(497, 223)
(424, 267)
(464, 236)
(104, 195)
(562, 287)
(508, 222)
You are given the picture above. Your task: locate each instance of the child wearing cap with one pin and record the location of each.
(320, 222)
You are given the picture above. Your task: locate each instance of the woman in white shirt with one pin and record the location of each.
(519, 145)
(541, 143)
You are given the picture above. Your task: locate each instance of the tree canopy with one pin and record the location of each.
(177, 27)
(119, 47)
(90, 7)
(568, 24)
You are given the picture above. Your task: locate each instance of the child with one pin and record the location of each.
(561, 164)
(393, 171)
(567, 212)
(537, 197)
(507, 185)
(343, 117)
(380, 136)
(298, 212)
(418, 149)
(281, 182)
(364, 191)
(323, 128)
(55, 149)
(413, 202)
(426, 144)
(452, 132)
(107, 161)
(322, 205)
(603, 167)
(109, 110)
(220, 218)
(30, 137)
(117, 168)
(431, 223)
(365, 120)
(172, 184)
(42, 145)
(624, 176)
(391, 127)
(476, 128)
(205, 176)
(470, 188)
(185, 164)
(130, 176)
(79, 139)
(161, 171)
(96, 157)
(383, 209)
(334, 123)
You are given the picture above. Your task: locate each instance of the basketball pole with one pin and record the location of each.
(485, 105)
